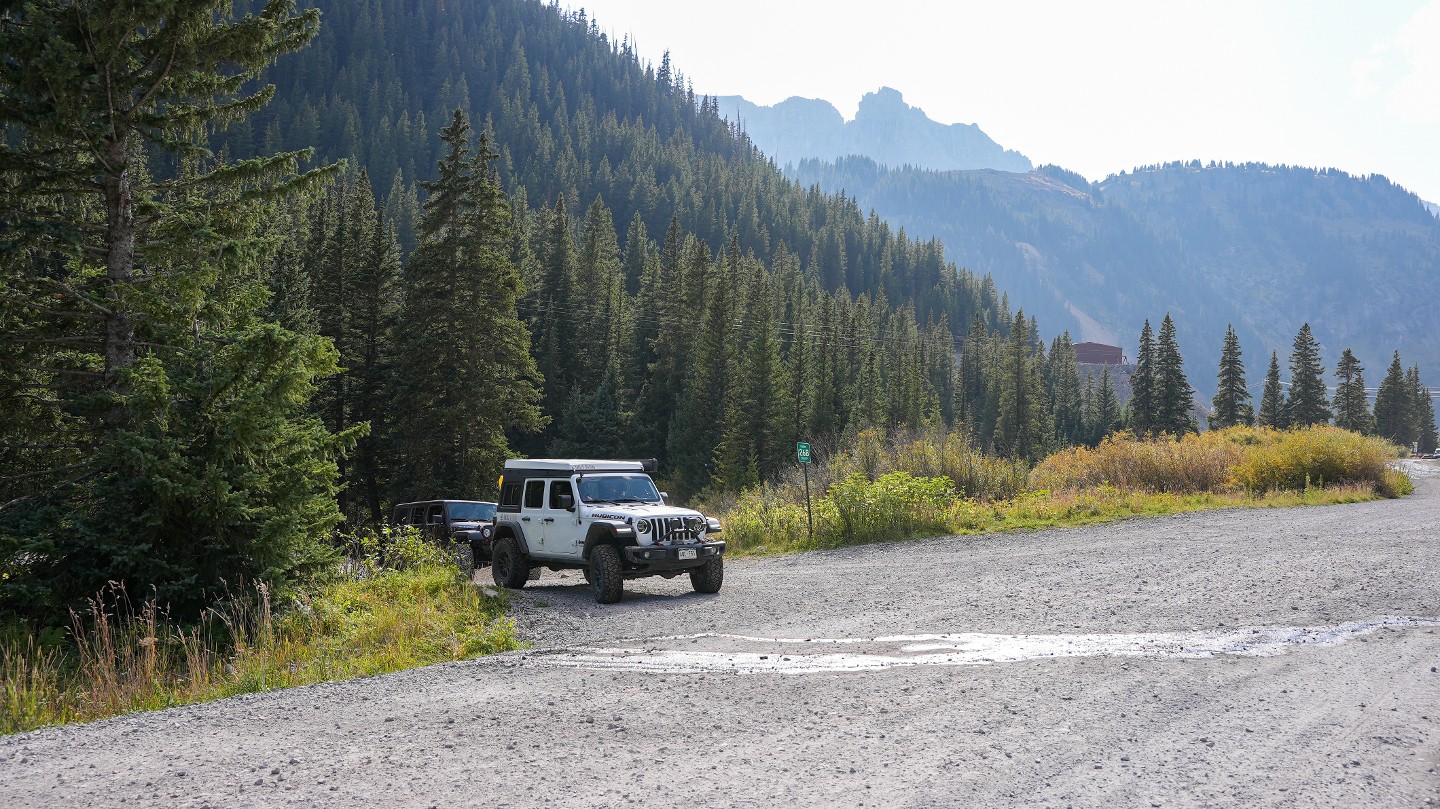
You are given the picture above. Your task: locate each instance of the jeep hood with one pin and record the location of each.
(637, 511)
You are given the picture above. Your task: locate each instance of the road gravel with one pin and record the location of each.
(1283, 658)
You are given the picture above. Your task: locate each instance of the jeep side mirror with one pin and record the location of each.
(665, 497)
(565, 501)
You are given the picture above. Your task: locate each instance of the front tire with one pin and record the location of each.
(708, 577)
(508, 566)
(607, 581)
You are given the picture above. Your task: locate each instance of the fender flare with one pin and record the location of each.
(509, 529)
(605, 533)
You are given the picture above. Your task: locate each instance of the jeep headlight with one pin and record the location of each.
(696, 524)
(643, 526)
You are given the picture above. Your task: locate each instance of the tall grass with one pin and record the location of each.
(400, 603)
(1250, 459)
(891, 487)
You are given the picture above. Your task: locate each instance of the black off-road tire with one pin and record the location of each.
(607, 580)
(464, 556)
(708, 577)
(508, 566)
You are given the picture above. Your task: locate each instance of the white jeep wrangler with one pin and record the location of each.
(603, 517)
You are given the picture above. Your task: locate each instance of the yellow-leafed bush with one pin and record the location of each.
(1299, 459)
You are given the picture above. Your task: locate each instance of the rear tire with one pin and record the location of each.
(607, 581)
(708, 577)
(508, 566)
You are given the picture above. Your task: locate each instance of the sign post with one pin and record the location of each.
(802, 453)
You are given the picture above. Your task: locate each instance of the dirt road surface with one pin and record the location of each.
(1282, 658)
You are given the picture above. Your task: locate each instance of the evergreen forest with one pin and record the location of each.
(293, 265)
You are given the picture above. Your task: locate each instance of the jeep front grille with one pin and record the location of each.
(672, 529)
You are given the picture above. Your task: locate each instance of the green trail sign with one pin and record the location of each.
(802, 452)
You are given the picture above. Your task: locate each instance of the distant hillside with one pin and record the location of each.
(1264, 247)
(1432, 208)
(885, 129)
(574, 114)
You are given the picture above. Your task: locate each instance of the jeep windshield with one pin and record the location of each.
(618, 489)
(471, 512)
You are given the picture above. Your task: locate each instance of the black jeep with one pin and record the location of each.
(468, 523)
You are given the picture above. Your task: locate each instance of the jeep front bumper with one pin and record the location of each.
(673, 557)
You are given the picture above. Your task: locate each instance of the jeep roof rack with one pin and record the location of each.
(574, 465)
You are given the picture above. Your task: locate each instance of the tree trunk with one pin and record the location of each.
(119, 271)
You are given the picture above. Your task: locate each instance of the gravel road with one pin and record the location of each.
(1238, 658)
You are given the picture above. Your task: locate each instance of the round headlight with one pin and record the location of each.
(643, 526)
(695, 523)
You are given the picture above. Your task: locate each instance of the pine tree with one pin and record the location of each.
(748, 450)
(173, 447)
(552, 314)
(1066, 405)
(1307, 403)
(1107, 414)
(1423, 406)
(972, 387)
(1272, 399)
(1352, 406)
(1020, 428)
(1173, 394)
(1143, 386)
(1422, 412)
(1232, 399)
(1393, 405)
(458, 334)
(697, 428)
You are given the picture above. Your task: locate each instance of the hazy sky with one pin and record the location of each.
(1097, 87)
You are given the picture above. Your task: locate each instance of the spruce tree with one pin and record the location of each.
(1272, 398)
(1108, 414)
(552, 314)
(1143, 392)
(1422, 412)
(1066, 405)
(1307, 402)
(1424, 408)
(464, 370)
(163, 424)
(1232, 399)
(697, 428)
(1352, 405)
(1173, 394)
(1020, 427)
(1393, 405)
(971, 386)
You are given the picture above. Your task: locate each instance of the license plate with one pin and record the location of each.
(687, 553)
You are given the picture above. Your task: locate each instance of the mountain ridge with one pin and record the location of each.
(885, 128)
(1264, 247)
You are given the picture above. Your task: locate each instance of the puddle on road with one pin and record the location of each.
(745, 654)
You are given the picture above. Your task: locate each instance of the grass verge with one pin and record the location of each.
(878, 500)
(404, 608)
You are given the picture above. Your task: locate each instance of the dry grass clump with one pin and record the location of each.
(1256, 460)
(1196, 463)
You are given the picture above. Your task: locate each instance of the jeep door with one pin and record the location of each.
(561, 528)
(532, 514)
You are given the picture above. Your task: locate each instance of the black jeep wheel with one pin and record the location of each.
(606, 579)
(508, 566)
(708, 577)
